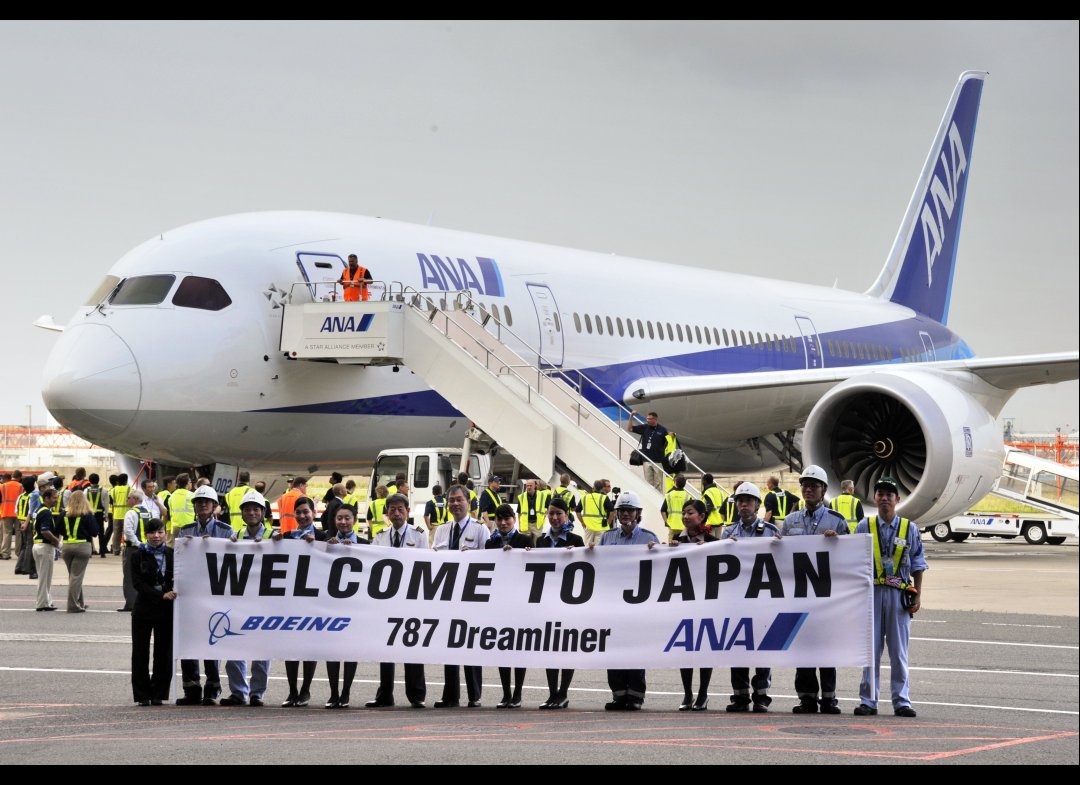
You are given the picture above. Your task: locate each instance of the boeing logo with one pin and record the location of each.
(941, 198)
(453, 275)
(703, 635)
(347, 324)
(220, 627)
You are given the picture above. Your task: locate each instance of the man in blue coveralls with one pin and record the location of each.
(898, 570)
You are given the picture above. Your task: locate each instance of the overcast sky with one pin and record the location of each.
(786, 150)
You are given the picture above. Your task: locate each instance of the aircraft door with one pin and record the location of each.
(549, 323)
(319, 270)
(928, 346)
(811, 343)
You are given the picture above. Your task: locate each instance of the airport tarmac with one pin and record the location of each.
(995, 679)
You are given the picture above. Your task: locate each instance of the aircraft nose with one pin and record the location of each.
(92, 383)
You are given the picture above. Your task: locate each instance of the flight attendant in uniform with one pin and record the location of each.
(345, 535)
(695, 532)
(559, 535)
(506, 537)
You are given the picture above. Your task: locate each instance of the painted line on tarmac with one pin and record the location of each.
(1006, 624)
(999, 643)
(775, 696)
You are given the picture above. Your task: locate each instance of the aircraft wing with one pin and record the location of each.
(1006, 373)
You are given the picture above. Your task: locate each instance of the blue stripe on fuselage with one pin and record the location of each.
(614, 379)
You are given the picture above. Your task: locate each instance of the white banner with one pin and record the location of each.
(799, 601)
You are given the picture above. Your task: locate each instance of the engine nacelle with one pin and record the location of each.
(942, 446)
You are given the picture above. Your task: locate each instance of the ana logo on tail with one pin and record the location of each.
(941, 198)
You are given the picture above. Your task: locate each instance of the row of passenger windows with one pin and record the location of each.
(859, 351)
(666, 331)
(194, 291)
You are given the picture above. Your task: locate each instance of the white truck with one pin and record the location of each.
(1037, 530)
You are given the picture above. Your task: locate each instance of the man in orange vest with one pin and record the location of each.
(287, 504)
(354, 281)
(10, 490)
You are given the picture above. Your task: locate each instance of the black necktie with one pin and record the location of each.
(397, 539)
(455, 537)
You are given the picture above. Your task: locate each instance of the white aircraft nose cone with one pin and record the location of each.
(91, 382)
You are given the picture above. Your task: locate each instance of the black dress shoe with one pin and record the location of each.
(418, 704)
(155, 702)
(446, 704)
(804, 708)
(515, 703)
(144, 703)
(125, 609)
(559, 703)
(687, 704)
(189, 701)
(209, 702)
(761, 708)
(616, 705)
(738, 707)
(303, 700)
(503, 704)
(232, 700)
(46, 608)
(904, 711)
(474, 704)
(548, 703)
(701, 704)
(378, 705)
(830, 710)
(633, 706)
(862, 710)
(256, 702)
(289, 702)
(332, 703)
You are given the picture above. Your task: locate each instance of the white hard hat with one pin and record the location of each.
(813, 472)
(204, 492)
(46, 477)
(628, 499)
(252, 497)
(747, 489)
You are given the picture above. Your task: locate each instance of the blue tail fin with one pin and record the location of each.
(919, 272)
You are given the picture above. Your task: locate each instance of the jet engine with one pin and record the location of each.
(935, 439)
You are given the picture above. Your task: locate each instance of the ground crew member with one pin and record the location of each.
(848, 505)
(778, 502)
(814, 518)
(490, 501)
(898, 577)
(399, 534)
(252, 507)
(260, 486)
(163, 495)
(467, 484)
(204, 499)
(99, 505)
(392, 487)
(10, 491)
(46, 541)
(354, 281)
(747, 503)
(464, 534)
(118, 494)
(714, 498)
(627, 686)
(234, 498)
(671, 509)
(596, 513)
(532, 507)
(285, 505)
(79, 527)
(22, 536)
(436, 513)
(568, 494)
(181, 511)
(352, 498)
(376, 511)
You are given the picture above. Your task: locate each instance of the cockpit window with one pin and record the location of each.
(102, 289)
(142, 290)
(205, 293)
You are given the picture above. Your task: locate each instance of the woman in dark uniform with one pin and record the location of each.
(152, 577)
(304, 513)
(506, 537)
(696, 532)
(345, 534)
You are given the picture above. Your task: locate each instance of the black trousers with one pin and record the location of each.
(474, 679)
(741, 684)
(806, 685)
(415, 683)
(103, 536)
(158, 626)
(627, 686)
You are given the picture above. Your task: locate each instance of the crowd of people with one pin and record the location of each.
(47, 520)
